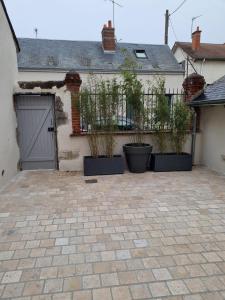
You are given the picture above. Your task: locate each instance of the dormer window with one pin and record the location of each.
(140, 54)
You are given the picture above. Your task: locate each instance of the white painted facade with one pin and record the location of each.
(211, 70)
(9, 152)
(172, 81)
(213, 138)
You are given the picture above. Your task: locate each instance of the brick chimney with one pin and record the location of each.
(193, 84)
(196, 39)
(108, 38)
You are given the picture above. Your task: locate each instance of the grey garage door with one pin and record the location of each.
(36, 131)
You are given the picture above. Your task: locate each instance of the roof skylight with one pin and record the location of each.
(140, 54)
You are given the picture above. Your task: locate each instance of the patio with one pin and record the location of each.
(147, 236)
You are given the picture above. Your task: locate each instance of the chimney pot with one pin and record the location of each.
(109, 24)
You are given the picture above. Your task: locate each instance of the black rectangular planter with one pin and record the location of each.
(166, 162)
(103, 165)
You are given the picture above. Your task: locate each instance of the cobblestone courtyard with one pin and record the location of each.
(147, 236)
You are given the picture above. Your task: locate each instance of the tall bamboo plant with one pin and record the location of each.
(133, 90)
(161, 114)
(99, 102)
(90, 115)
(108, 101)
(180, 123)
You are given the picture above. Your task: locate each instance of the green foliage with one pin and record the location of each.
(89, 114)
(133, 90)
(180, 123)
(99, 102)
(161, 115)
(108, 102)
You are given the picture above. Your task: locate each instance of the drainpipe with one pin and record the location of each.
(193, 139)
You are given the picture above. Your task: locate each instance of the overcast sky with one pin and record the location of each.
(140, 21)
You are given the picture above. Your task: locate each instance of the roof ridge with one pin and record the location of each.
(88, 41)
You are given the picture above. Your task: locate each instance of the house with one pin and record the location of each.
(50, 75)
(9, 47)
(202, 58)
(211, 103)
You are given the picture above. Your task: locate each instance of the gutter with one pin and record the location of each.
(207, 103)
(99, 71)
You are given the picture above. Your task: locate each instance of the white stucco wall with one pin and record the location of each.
(72, 149)
(211, 70)
(9, 152)
(172, 81)
(213, 138)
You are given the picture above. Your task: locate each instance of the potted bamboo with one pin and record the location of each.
(137, 152)
(171, 126)
(99, 115)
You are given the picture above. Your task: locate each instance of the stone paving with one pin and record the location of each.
(144, 236)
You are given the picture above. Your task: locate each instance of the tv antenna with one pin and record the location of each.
(36, 32)
(114, 3)
(192, 22)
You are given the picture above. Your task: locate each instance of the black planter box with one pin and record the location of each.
(103, 165)
(166, 162)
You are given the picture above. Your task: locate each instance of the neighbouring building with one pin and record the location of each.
(211, 104)
(9, 151)
(58, 68)
(205, 59)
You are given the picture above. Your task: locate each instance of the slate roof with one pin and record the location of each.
(43, 54)
(213, 94)
(207, 51)
(10, 26)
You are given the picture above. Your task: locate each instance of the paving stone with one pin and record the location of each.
(145, 276)
(109, 279)
(108, 255)
(121, 293)
(83, 295)
(177, 287)
(72, 284)
(12, 276)
(212, 257)
(44, 261)
(61, 241)
(84, 269)
(69, 249)
(159, 289)
(13, 290)
(33, 288)
(195, 285)
(195, 271)
(140, 243)
(211, 269)
(123, 254)
(161, 274)
(103, 293)
(30, 274)
(140, 291)
(53, 285)
(127, 277)
(64, 296)
(47, 273)
(91, 281)
(4, 255)
(60, 260)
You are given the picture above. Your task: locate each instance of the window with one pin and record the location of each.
(182, 63)
(140, 53)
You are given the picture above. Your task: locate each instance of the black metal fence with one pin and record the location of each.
(123, 115)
